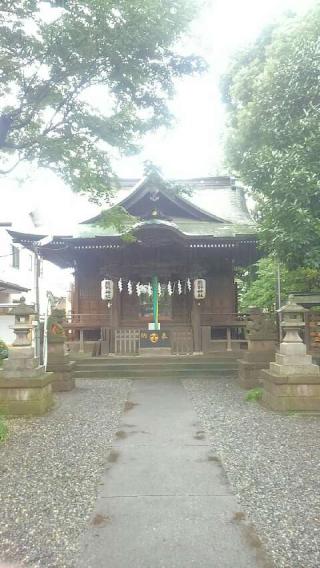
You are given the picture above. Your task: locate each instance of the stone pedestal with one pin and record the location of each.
(261, 332)
(257, 358)
(292, 382)
(25, 389)
(60, 365)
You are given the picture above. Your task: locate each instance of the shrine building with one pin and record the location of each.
(171, 284)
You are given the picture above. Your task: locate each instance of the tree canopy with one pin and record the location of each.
(272, 93)
(258, 284)
(51, 67)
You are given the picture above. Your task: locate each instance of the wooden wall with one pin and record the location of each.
(220, 297)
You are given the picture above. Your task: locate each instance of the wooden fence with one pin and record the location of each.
(127, 341)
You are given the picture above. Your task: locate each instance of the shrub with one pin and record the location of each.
(3, 350)
(254, 394)
(3, 429)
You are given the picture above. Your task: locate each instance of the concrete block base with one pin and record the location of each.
(61, 367)
(26, 396)
(250, 367)
(249, 374)
(286, 404)
(295, 392)
(63, 380)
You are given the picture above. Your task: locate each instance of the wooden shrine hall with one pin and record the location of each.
(165, 282)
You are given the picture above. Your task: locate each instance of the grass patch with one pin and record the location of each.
(254, 394)
(3, 429)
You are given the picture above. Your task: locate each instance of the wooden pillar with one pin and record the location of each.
(81, 346)
(76, 294)
(196, 327)
(116, 307)
(229, 344)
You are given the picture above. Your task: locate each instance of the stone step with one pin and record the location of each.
(154, 370)
(140, 373)
(99, 361)
(137, 367)
(149, 365)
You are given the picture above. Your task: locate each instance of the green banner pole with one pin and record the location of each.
(155, 284)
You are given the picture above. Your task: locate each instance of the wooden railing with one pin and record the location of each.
(223, 331)
(88, 321)
(223, 320)
(94, 321)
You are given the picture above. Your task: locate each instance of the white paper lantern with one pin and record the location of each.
(179, 286)
(189, 285)
(138, 289)
(170, 291)
(149, 289)
(159, 290)
(106, 290)
(199, 289)
(120, 286)
(129, 287)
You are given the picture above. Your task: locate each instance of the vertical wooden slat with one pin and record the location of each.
(81, 346)
(181, 341)
(127, 341)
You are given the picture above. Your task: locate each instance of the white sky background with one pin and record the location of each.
(192, 148)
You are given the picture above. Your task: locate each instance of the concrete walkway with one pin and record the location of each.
(164, 500)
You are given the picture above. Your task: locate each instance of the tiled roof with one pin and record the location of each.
(187, 227)
(218, 203)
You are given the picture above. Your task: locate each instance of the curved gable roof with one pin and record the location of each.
(212, 199)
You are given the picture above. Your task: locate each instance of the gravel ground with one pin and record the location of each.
(49, 473)
(272, 462)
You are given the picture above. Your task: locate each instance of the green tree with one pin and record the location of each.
(48, 68)
(257, 285)
(272, 93)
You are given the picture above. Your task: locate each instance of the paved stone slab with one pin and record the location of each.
(159, 412)
(169, 470)
(166, 532)
(164, 500)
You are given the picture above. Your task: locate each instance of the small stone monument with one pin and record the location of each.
(292, 382)
(58, 360)
(262, 337)
(25, 389)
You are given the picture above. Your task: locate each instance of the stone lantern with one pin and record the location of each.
(23, 323)
(25, 387)
(292, 321)
(293, 381)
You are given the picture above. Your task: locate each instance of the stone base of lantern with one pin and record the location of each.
(25, 389)
(292, 382)
(253, 362)
(61, 367)
(26, 396)
(283, 394)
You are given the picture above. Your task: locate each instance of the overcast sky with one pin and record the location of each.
(193, 147)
